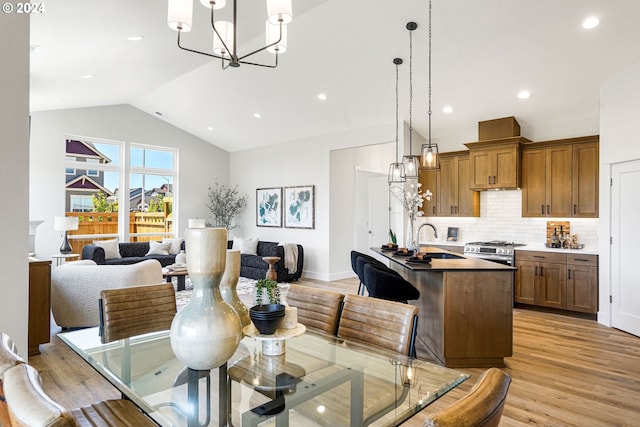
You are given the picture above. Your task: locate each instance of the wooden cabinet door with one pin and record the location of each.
(480, 169)
(39, 305)
(552, 285)
(582, 288)
(505, 168)
(448, 195)
(525, 284)
(468, 200)
(558, 163)
(586, 160)
(429, 181)
(533, 182)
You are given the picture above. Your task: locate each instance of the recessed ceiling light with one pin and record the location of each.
(524, 94)
(209, 128)
(257, 115)
(135, 38)
(590, 23)
(88, 76)
(448, 109)
(322, 96)
(159, 113)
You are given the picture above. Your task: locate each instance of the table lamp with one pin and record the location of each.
(65, 223)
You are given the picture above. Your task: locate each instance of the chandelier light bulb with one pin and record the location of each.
(180, 15)
(217, 4)
(279, 10)
(272, 32)
(225, 29)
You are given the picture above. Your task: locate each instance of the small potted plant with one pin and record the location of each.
(267, 288)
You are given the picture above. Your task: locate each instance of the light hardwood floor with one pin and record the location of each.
(565, 371)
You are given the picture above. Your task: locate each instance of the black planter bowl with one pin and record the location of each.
(266, 317)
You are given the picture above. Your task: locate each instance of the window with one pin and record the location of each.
(95, 190)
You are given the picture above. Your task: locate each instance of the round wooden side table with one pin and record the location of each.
(271, 273)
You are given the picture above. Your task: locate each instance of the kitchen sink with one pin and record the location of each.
(443, 255)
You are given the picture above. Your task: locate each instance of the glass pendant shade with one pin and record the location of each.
(180, 15)
(225, 29)
(218, 4)
(396, 173)
(279, 10)
(411, 165)
(273, 34)
(430, 156)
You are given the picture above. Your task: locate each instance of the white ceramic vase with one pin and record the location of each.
(228, 286)
(207, 331)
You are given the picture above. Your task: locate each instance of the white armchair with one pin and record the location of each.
(76, 286)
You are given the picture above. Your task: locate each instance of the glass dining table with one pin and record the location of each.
(320, 380)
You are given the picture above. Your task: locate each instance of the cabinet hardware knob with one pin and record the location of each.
(575, 208)
(569, 271)
(541, 270)
(489, 180)
(535, 271)
(581, 259)
(542, 209)
(548, 209)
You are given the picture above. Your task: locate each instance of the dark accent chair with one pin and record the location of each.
(384, 283)
(254, 267)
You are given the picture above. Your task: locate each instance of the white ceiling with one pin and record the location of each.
(484, 53)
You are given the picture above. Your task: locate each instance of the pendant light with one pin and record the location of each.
(396, 169)
(410, 161)
(430, 158)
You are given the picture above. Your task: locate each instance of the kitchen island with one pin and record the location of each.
(465, 307)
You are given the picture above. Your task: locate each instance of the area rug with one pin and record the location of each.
(244, 289)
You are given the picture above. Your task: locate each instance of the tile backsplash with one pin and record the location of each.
(501, 219)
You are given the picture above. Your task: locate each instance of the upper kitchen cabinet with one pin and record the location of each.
(429, 180)
(495, 164)
(560, 178)
(455, 197)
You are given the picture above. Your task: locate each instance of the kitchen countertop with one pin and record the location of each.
(526, 247)
(458, 264)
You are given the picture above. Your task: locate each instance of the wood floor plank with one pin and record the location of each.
(566, 371)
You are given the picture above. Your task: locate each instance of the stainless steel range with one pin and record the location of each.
(496, 250)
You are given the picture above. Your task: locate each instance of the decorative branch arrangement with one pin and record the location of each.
(225, 203)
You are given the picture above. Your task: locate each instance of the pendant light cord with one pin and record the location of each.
(429, 112)
(396, 112)
(410, 93)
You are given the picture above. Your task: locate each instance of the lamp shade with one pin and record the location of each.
(273, 34)
(217, 4)
(225, 29)
(279, 10)
(430, 156)
(396, 173)
(411, 166)
(196, 223)
(65, 223)
(180, 15)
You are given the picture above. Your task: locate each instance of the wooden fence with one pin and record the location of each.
(100, 223)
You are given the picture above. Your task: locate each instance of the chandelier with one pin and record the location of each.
(429, 150)
(279, 14)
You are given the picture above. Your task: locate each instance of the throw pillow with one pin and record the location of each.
(246, 245)
(111, 248)
(157, 248)
(175, 244)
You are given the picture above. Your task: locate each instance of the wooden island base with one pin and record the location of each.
(465, 311)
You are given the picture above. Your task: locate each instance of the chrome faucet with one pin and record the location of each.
(435, 232)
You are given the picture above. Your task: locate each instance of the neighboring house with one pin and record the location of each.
(81, 184)
(139, 201)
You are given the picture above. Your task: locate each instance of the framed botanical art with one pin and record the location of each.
(299, 207)
(269, 207)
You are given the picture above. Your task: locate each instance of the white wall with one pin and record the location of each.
(305, 162)
(14, 175)
(619, 142)
(200, 164)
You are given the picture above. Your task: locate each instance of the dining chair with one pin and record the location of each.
(385, 283)
(386, 324)
(481, 407)
(136, 310)
(30, 406)
(8, 354)
(317, 308)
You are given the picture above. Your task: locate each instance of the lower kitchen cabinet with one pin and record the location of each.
(582, 283)
(39, 304)
(565, 281)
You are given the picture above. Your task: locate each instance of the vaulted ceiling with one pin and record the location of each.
(483, 54)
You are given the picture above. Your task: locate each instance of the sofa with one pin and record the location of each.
(76, 286)
(130, 253)
(253, 267)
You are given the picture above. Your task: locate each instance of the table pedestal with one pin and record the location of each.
(271, 273)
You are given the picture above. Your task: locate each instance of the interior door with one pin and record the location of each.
(625, 233)
(379, 211)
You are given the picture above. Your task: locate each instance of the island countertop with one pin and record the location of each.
(457, 262)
